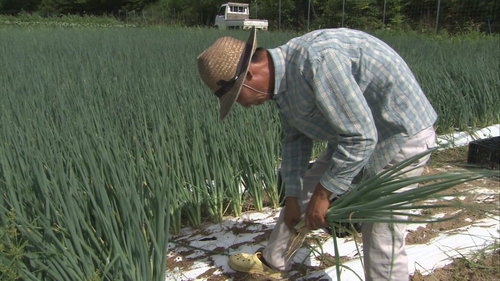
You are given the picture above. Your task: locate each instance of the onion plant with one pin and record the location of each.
(108, 144)
(459, 75)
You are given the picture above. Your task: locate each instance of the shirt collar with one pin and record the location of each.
(277, 54)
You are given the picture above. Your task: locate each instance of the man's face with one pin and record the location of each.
(256, 87)
(250, 95)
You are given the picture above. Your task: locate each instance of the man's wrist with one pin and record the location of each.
(322, 192)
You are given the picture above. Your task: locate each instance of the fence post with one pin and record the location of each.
(256, 9)
(308, 14)
(383, 20)
(343, 12)
(437, 16)
(279, 21)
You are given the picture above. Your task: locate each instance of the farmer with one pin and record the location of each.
(342, 86)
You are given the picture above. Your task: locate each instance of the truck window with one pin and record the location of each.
(222, 11)
(238, 9)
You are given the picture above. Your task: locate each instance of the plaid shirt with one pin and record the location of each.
(352, 90)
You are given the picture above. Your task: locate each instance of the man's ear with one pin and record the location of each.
(249, 73)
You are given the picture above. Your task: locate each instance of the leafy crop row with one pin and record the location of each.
(109, 141)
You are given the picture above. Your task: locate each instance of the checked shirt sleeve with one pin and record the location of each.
(296, 152)
(341, 101)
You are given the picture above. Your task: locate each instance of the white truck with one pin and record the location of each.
(236, 15)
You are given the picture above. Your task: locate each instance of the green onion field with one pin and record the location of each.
(109, 141)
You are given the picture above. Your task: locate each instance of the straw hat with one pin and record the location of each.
(223, 67)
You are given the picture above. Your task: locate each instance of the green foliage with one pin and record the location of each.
(66, 21)
(107, 143)
(14, 6)
(385, 197)
(455, 78)
(89, 196)
(455, 16)
(12, 250)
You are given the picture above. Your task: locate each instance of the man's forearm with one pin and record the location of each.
(321, 192)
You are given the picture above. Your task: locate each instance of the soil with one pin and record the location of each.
(485, 265)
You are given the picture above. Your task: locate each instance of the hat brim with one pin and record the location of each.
(229, 99)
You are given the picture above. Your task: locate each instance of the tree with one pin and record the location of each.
(51, 7)
(454, 15)
(16, 6)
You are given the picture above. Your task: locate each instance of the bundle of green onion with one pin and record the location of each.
(385, 198)
(385, 195)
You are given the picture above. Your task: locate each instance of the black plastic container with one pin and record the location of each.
(485, 153)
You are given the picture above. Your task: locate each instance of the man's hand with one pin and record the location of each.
(316, 210)
(292, 213)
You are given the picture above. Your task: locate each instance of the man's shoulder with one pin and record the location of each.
(319, 35)
(336, 39)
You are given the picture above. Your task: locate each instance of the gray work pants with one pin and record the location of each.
(382, 262)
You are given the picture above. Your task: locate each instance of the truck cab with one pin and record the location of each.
(237, 15)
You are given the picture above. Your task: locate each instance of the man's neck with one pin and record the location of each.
(270, 67)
